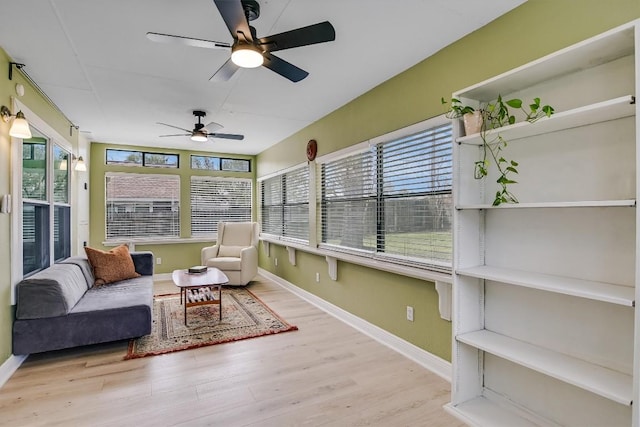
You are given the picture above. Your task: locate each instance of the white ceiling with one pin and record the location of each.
(92, 58)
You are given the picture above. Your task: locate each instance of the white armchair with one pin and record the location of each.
(236, 251)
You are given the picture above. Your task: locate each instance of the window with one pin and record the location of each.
(218, 199)
(271, 206)
(124, 158)
(235, 165)
(159, 160)
(61, 205)
(216, 164)
(285, 204)
(139, 158)
(45, 193)
(392, 201)
(205, 162)
(142, 205)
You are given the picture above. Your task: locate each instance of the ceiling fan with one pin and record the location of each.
(201, 133)
(249, 51)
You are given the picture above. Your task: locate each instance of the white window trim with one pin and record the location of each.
(281, 172)
(16, 189)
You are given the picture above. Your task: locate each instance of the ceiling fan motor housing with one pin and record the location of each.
(251, 9)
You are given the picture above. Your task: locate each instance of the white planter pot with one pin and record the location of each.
(472, 122)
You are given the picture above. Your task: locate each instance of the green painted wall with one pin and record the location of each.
(174, 256)
(534, 29)
(45, 111)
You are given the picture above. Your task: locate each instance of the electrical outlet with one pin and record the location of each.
(317, 277)
(276, 261)
(158, 260)
(410, 313)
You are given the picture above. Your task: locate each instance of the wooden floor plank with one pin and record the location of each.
(324, 374)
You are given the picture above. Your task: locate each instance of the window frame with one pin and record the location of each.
(375, 145)
(214, 224)
(283, 205)
(175, 207)
(143, 159)
(53, 138)
(220, 162)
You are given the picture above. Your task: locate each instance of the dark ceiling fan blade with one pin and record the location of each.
(189, 41)
(284, 68)
(225, 72)
(312, 34)
(179, 134)
(175, 127)
(233, 15)
(226, 136)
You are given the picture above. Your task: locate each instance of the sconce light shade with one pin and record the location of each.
(63, 164)
(19, 127)
(80, 165)
(246, 56)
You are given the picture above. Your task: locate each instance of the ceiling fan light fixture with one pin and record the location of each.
(199, 136)
(246, 56)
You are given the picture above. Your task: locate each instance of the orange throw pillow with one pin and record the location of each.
(111, 266)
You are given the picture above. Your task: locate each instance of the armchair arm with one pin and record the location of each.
(208, 252)
(249, 260)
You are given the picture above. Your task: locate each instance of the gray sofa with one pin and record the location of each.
(59, 307)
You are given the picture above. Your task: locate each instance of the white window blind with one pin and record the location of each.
(296, 204)
(216, 199)
(272, 217)
(142, 205)
(285, 204)
(392, 201)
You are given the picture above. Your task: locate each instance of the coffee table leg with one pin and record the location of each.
(185, 306)
(220, 299)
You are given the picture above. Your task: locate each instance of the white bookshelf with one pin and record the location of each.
(604, 111)
(599, 291)
(589, 376)
(544, 315)
(564, 204)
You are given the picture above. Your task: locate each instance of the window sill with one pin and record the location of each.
(442, 280)
(172, 241)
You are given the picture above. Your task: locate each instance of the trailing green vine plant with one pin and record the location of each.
(496, 115)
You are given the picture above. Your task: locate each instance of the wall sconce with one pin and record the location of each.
(81, 166)
(19, 127)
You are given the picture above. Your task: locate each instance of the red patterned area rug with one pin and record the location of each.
(244, 316)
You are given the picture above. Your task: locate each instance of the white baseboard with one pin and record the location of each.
(162, 276)
(9, 366)
(429, 361)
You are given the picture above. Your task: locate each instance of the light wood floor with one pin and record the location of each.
(324, 374)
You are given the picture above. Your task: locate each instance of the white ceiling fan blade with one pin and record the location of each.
(172, 126)
(188, 41)
(212, 127)
(225, 72)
